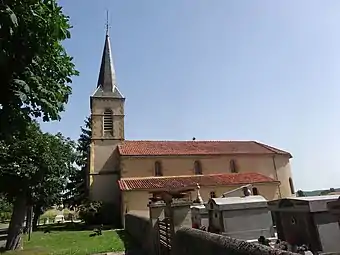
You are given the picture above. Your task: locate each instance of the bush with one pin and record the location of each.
(90, 212)
(5, 216)
(95, 213)
(49, 214)
(6, 209)
(69, 215)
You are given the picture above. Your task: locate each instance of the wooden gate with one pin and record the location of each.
(165, 236)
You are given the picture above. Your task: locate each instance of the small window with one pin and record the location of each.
(197, 168)
(291, 185)
(108, 122)
(213, 194)
(233, 167)
(158, 169)
(255, 191)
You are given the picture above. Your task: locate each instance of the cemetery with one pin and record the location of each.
(303, 224)
(101, 192)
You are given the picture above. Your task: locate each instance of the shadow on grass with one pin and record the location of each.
(69, 226)
(131, 247)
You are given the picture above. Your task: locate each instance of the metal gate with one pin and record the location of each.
(165, 236)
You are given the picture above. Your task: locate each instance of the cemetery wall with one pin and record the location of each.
(189, 241)
(142, 233)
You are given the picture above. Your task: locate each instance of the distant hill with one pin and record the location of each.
(320, 192)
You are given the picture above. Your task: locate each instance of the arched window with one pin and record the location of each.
(158, 169)
(255, 191)
(108, 122)
(291, 185)
(233, 167)
(197, 168)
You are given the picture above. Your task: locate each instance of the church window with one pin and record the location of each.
(158, 169)
(291, 185)
(233, 167)
(213, 194)
(108, 122)
(255, 191)
(197, 168)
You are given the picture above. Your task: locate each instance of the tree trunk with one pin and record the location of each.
(29, 221)
(16, 225)
(36, 215)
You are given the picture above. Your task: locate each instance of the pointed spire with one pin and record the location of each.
(107, 85)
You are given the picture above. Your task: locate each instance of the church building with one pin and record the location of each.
(125, 174)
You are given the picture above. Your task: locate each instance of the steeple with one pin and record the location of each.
(107, 86)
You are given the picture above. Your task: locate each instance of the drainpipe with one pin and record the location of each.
(276, 176)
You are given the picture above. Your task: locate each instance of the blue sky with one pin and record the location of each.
(230, 70)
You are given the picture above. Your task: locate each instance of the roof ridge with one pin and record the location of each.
(189, 141)
(197, 147)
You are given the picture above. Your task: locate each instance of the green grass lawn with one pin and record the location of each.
(68, 241)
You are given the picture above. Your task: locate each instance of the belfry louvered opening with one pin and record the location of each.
(108, 122)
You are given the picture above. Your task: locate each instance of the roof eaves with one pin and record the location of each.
(273, 150)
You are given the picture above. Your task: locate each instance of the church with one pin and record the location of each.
(125, 174)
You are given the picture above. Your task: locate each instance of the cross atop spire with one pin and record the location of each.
(107, 22)
(106, 86)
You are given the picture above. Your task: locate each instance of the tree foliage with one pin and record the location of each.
(35, 69)
(300, 193)
(90, 212)
(34, 170)
(77, 186)
(35, 73)
(38, 164)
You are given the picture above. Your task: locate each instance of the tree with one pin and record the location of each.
(32, 170)
(77, 186)
(35, 69)
(49, 192)
(35, 73)
(300, 193)
(324, 192)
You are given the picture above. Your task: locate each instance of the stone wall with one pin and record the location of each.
(189, 241)
(142, 233)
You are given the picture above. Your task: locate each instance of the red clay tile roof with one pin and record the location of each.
(167, 148)
(190, 181)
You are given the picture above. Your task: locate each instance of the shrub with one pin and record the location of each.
(95, 213)
(49, 214)
(5, 216)
(6, 209)
(90, 212)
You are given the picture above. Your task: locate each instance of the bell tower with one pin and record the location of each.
(107, 118)
(107, 103)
